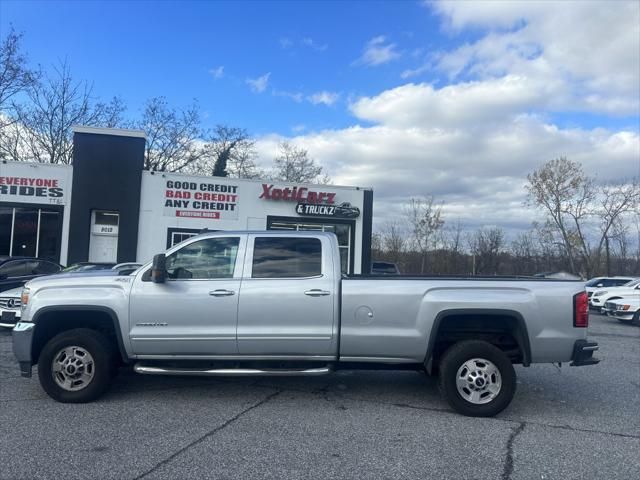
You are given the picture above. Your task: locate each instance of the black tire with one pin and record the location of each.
(103, 365)
(455, 357)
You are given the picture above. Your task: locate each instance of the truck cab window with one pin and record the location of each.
(282, 257)
(204, 259)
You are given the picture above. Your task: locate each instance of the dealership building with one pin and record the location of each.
(106, 208)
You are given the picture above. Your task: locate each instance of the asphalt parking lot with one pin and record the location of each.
(569, 423)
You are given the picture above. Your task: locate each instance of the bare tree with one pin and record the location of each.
(243, 164)
(453, 246)
(564, 191)
(293, 164)
(573, 201)
(393, 241)
(525, 252)
(56, 103)
(174, 137)
(376, 245)
(232, 153)
(425, 220)
(615, 202)
(15, 76)
(486, 245)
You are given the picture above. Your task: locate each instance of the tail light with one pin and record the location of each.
(581, 310)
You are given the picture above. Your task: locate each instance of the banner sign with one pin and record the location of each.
(32, 190)
(344, 210)
(201, 200)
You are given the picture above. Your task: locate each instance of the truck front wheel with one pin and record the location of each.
(477, 379)
(76, 366)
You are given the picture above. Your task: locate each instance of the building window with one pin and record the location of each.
(30, 231)
(106, 218)
(343, 230)
(176, 235)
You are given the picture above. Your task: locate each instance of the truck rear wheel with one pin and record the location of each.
(76, 366)
(477, 379)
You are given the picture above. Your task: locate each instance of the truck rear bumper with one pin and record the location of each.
(22, 337)
(583, 353)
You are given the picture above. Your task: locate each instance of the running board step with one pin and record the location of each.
(230, 372)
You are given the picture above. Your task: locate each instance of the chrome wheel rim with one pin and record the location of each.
(478, 381)
(73, 368)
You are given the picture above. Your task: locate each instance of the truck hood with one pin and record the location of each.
(90, 279)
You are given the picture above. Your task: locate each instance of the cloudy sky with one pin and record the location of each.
(455, 99)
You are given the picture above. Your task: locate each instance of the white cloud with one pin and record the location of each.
(471, 145)
(285, 42)
(217, 72)
(259, 84)
(453, 106)
(324, 98)
(592, 48)
(300, 127)
(295, 96)
(414, 72)
(311, 43)
(378, 51)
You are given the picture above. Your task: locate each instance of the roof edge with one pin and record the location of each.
(121, 132)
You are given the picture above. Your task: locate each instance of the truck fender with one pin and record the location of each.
(521, 337)
(87, 308)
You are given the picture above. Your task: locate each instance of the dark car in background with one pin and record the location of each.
(384, 268)
(16, 271)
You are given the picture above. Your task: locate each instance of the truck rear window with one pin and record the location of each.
(282, 257)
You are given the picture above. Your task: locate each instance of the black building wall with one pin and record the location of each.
(107, 174)
(367, 226)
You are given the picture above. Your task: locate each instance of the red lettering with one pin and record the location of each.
(266, 191)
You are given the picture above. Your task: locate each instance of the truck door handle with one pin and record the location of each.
(317, 293)
(221, 293)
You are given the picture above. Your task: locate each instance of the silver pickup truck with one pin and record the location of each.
(267, 303)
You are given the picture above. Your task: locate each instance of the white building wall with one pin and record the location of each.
(238, 207)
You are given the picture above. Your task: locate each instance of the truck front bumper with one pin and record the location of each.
(22, 338)
(583, 353)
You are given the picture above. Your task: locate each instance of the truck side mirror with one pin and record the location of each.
(159, 268)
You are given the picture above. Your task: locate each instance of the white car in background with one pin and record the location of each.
(627, 310)
(10, 307)
(604, 282)
(603, 295)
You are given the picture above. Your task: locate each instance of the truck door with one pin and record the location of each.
(288, 300)
(195, 311)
